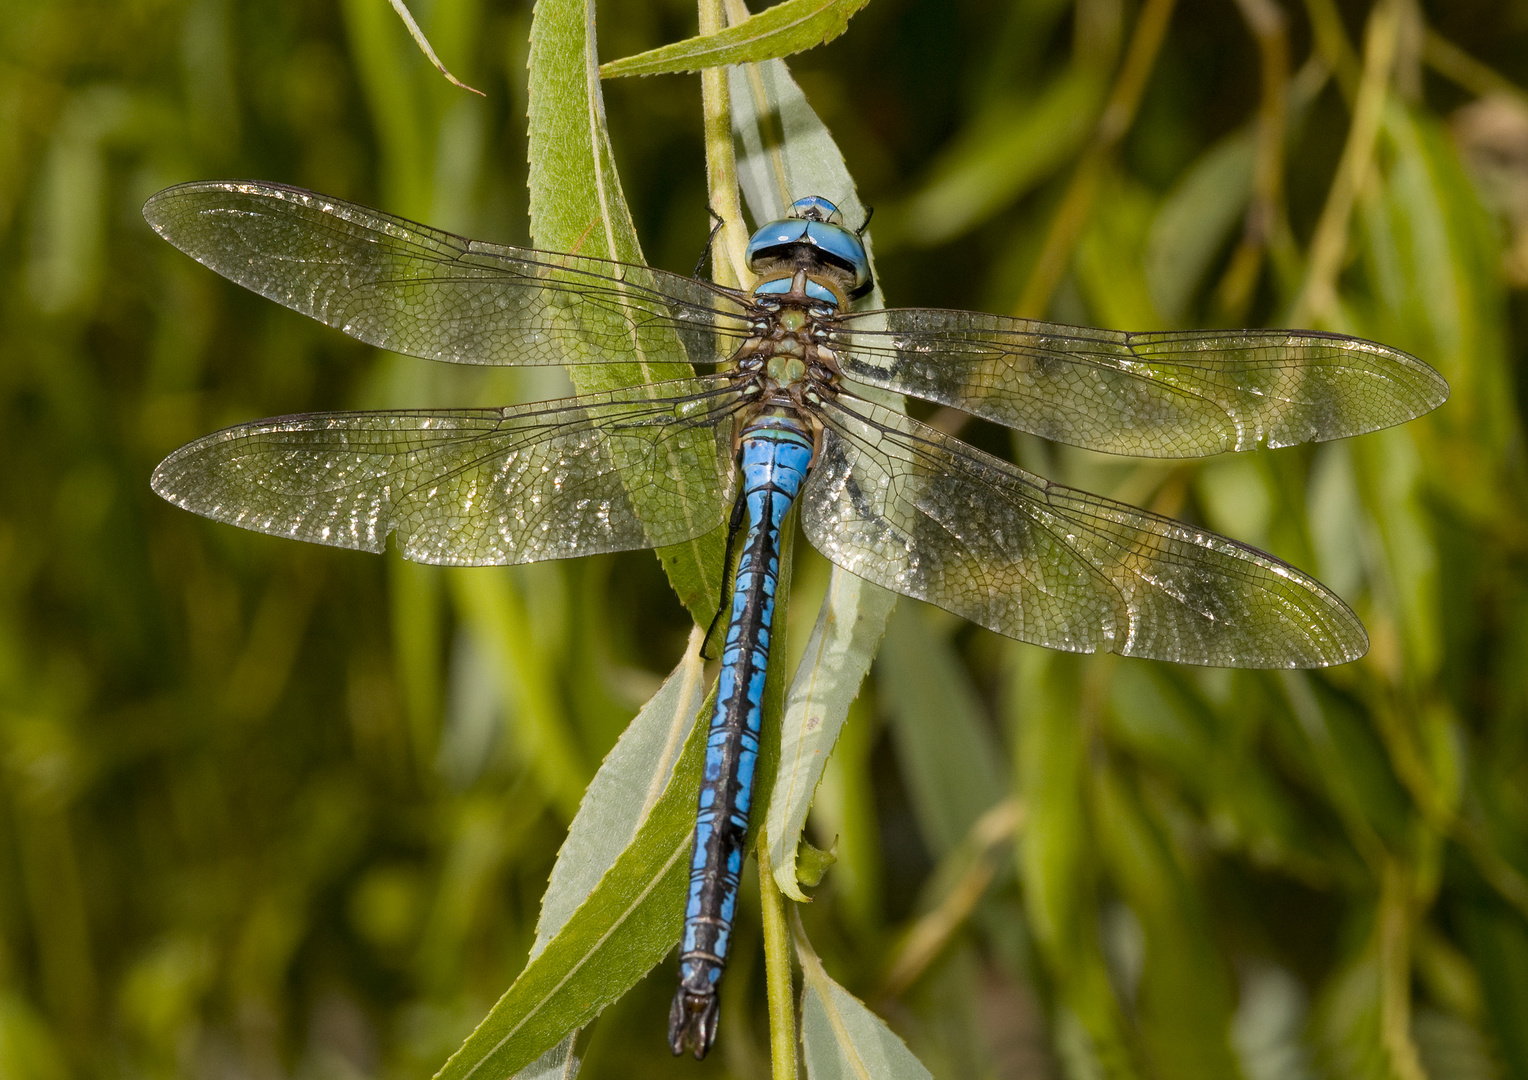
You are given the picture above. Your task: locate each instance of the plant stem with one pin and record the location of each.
(777, 975)
(727, 266)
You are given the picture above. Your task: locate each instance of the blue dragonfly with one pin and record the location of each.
(773, 420)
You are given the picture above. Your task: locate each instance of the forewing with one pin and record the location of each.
(911, 509)
(473, 487)
(1171, 394)
(416, 290)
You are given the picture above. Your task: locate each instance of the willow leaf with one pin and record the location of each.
(841, 1039)
(576, 204)
(790, 27)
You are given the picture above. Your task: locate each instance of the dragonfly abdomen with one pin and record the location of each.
(776, 452)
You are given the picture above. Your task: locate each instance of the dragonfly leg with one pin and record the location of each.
(700, 263)
(735, 526)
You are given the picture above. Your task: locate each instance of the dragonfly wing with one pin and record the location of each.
(920, 512)
(1170, 394)
(424, 292)
(474, 487)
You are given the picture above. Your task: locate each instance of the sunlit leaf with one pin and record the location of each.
(841, 1039)
(776, 32)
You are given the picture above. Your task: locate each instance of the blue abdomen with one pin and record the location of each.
(776, 452)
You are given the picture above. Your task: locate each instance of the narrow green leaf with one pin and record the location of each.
(1009, 148)
(619, 801)
(623, 793)
(625, 926)
(1195, 220)
(945, 749)
(398, 113)
(576, 204)
(785, 151)
(786, 28)
(425, 47)
(826, 682)
(841, 1039)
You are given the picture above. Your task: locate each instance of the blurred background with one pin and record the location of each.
(272, 810)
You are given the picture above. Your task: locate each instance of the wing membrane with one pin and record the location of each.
(1171, 394)
(472, 487)
(417, 290)
(924, 514)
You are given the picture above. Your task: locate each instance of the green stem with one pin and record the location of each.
(727, 266)
(777, 976)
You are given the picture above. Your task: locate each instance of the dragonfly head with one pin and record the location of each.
(813, 238)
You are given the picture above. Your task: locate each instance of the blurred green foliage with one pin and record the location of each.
(269, 810)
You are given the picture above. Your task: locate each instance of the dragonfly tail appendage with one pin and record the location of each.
(776, 452)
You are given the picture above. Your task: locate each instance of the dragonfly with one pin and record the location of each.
(757, 403)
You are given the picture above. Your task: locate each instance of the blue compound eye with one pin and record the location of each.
(841, 246)
(821, 293)
(815, 224)
(816, 208)
(775, 235)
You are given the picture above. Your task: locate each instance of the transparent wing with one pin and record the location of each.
(420, 291)
(1172, 394)
(911, 509)
(472, 487)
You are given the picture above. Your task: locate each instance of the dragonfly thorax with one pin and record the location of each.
(785, 369)
(788, 354)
